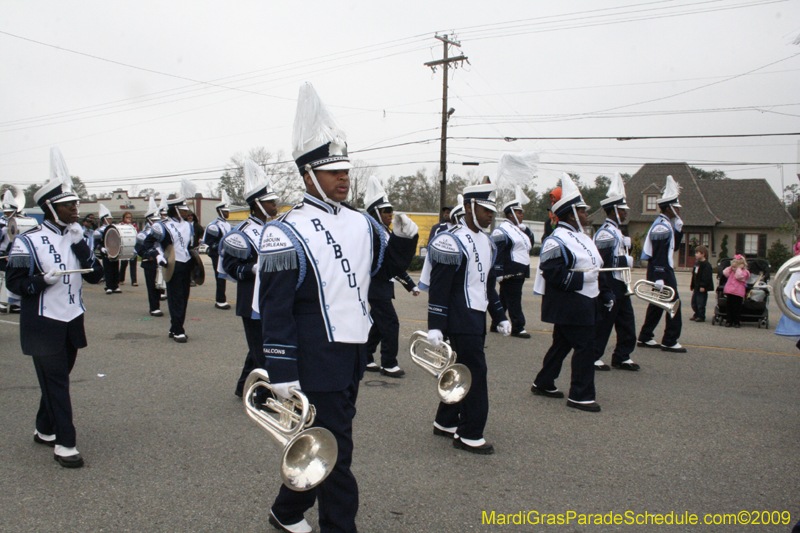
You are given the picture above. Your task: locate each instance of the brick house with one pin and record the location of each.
(748, 211)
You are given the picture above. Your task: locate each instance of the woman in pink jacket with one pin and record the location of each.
(735, 288)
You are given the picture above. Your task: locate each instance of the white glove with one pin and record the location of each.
(504, 327)
(499, 279)
(522, 225)
(75, 232)
(255, 269)
(627, 242)
(52, 277)
(161, 260)
(284, 389)
(103, 250)
(415, 291)
(404, 227)
(677, 223)
(609, 304)
(435, 337)
(629, 261)
(659, 284)
(591, 276)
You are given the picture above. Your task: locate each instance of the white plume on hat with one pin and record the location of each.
(616, 192)
(516, 169)
(375, 197)
(254, 177)
(103, 212)
(314, 125)
(225, 200)
(162, 206)
(671, 192)
(8, 200)
(188, 188)
(152, 208)
(458, 210)
(58, 169)
(569, 193)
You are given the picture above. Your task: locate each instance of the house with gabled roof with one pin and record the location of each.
(748, 211)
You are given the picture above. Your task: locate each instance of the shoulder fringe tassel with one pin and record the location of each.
(278, 261)
(444, 258)
(235, 251)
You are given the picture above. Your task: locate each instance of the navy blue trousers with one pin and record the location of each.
(255, 351)
(385, 330)
(111, 272)
(220, 294)
(153, 295)
(565, 339)
(622, 319)
(672, 331)
(511, 299)
(338, 494)
(470, 414)
(178, 297)
(55, 407)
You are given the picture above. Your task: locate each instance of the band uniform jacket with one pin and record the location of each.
(609, 242)
(508, 238)
(214, 234)
(566, 300)
(308, 335)
(50, 313)
(462, 282)
(661, 242)
(239, 253)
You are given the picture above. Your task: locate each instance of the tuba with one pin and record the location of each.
(626, 275)
(646, 290)
(782, 278)
(454, 379)
(309, 453)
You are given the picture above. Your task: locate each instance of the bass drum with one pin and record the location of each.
(19, 225)
(119, 241)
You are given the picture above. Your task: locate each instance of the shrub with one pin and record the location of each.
(777, 255)
(723, 247)
(416, 263)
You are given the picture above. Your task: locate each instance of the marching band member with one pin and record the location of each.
(385, 324)
(570, 300)
(179, 233)
(316, 264)
(51, 320)
(512, 266)
(613, 247)
(444, 225)
(11, 208)
(239, 256)
(213, 235)
(662, 240)
(149, 264)
(461, 288)
(111, 268)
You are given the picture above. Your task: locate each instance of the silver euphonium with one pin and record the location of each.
(626, 275)
(309, 453)
(453, 379)
(782, 278)
(663, 298)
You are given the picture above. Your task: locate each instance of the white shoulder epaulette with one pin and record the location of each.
(236, 244)
(444, 249)
(279, 248)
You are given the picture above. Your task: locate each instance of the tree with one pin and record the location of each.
(723, 247)
(286, 181)
(359, 177)
(79, 188)
(414, 193)
(778, 254)
(30, 190)
(709, 175)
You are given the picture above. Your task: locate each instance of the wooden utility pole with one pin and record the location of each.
(445, 62)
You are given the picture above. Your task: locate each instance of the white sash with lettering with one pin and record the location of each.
(62, 300)
(181, 233)
(338, 247)
(478, 247)
(520, 253)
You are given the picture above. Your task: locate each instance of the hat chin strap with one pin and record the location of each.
(55, 216)
(474, 219)
(319, 189)
(577, 221)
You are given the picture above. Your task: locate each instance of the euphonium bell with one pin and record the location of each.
(647, 291)
(309, 453)
(782, 278)
(454, 380)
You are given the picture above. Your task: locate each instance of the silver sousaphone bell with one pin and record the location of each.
(454, 380)
(782, 279)
(309, 453)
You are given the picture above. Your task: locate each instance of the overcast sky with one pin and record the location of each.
(136, 92)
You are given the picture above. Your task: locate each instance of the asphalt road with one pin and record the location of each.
(169, 448)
